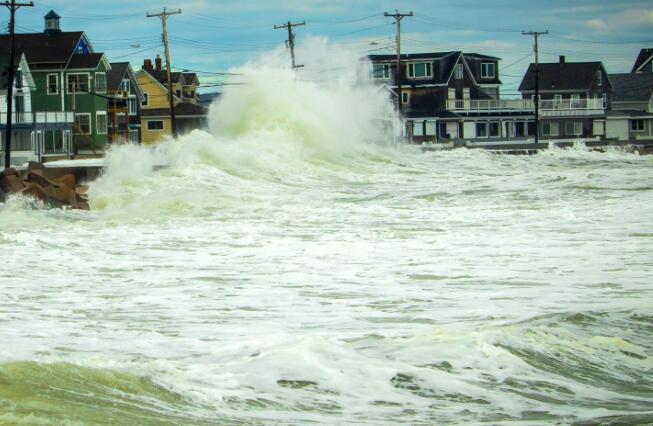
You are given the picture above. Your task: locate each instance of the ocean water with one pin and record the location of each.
(294, 266)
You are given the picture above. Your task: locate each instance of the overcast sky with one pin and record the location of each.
(214, 36)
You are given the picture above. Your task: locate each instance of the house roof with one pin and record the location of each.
(116, 75)
(41, 48)
(644, 57)
(52, 15)
(446, 64)
(632, 87)
(561, 76)
(187, 78)
(87, 60)
(182, 109)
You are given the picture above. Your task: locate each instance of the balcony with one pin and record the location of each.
(489, 105)
(571, 107)
(39, 119)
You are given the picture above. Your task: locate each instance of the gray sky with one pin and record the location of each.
(217, 35)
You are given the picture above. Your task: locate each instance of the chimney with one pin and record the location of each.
(157, 61)
(147, 65)
(562, 59)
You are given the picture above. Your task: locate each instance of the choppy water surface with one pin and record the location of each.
(261, 280)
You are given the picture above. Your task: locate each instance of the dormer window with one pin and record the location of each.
(488, 70)
(420, 70)
(459, 71)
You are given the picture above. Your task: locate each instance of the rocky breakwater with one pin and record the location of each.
(60, 192)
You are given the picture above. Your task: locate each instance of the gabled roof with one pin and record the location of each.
(185, 78)
(86, 61)
(120, 71)
(562, 76)
(632, 87)
(41, 48)
(645, 56)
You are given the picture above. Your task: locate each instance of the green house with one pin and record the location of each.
(70, 82)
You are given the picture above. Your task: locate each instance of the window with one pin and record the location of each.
(101, 123)
(132, 104)
(83, 124)
(77, 83)
(405, 97)
(495, 129)
(550, 129)
(481, 130)
(420, 70)
(488, 70)
(125, 85)
(381, 71)
(146, 99)
(459, 71)
(574, 128)
(178, 93)
(155, 125)
(53, 84)
(636, 125)
(575, 101)
(599, 78)
(100, 82)
(604, 96)
(520, 128)
(557, 101)
(451, 94)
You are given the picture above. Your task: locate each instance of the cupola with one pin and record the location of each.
(52, 23)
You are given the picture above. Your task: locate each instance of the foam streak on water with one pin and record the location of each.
(284, 269)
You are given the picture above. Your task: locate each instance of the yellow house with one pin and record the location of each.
(155, 108)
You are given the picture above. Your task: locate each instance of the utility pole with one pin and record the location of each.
(398, 17)
(11, 72)
(164, 19)
(536, 35)
(291, 39)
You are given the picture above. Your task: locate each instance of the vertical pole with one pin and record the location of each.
(173, 119)
(537, 91)
(291, 43)
(164, 19)
(398, 17)
(10, 86)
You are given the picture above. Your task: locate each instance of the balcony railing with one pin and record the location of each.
(571, 107)
(551, 108)
(40, 118)
(485, 105)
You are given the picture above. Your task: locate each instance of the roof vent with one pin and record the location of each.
(562, 59)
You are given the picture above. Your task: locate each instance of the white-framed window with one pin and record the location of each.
(405, 97)
(550, 129)
(636, 125)
(381, 70)
(125, 85)
(83, 123)
(575, 100)
(155, 125)
(574, 128)
(459, 71)
(420, 70)
(100, 82)
(53, 84)
(132, 104)
(101, 122)
(599, 78)
(451, 94)
(481, 130)
(466, 93)
(557, 100)
(145, 100)
(77, 83)
(488, 70)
